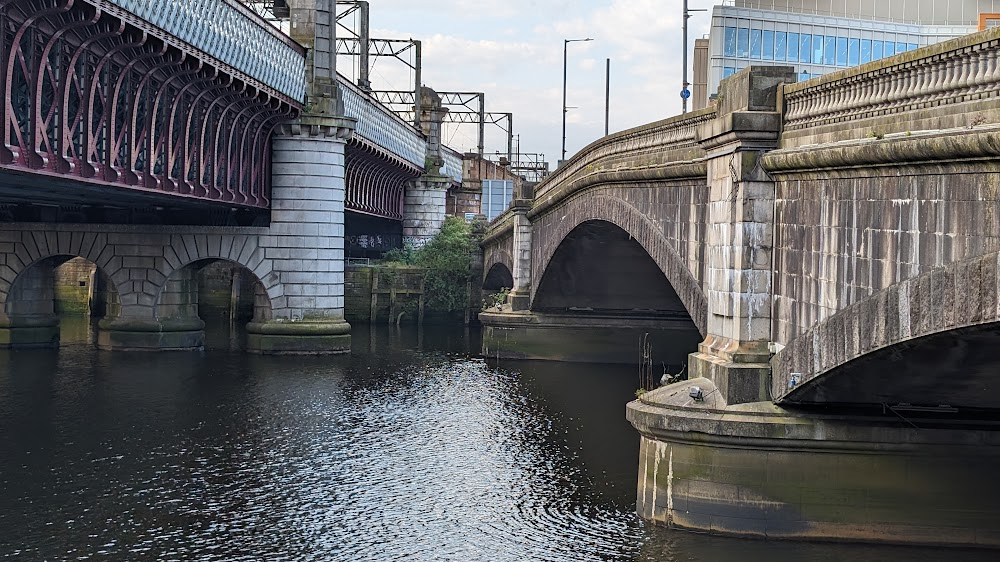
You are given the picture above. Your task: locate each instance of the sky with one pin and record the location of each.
(512, 50)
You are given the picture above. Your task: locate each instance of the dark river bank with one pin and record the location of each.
(411, 448)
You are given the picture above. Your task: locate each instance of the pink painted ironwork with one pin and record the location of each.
(375, 180)
(90, 96)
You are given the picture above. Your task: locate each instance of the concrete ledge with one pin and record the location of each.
(299, 338)
(26, 337)
(170, 334)
(762, 471)
(29, 332)
(582, 338)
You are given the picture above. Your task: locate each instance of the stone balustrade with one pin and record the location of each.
(897, 94)
(666, 148)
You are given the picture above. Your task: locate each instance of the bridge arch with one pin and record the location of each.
(596, 207)
(928, 340)
(498, 277)
(179, 296)
(189, 253)
(36, 255)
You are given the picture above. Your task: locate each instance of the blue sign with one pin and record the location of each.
(685, 94)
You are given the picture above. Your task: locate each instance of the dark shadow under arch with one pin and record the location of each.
(559, 222)
(927, 340)
(498, 277)
(600, 267)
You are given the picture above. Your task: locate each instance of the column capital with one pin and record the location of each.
(749, 112)
(323, 126)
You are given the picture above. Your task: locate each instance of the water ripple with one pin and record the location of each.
(390, 454)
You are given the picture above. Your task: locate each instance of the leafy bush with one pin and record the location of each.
(448, 260)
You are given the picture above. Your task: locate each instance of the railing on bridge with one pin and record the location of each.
(665, 148)
(229, 32)
(452, 164)
(381, 127)
(889, 95)
(381, 156)
(169, 99)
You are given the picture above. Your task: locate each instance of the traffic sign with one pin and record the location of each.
(685, 94)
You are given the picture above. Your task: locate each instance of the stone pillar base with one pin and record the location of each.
(29, 332)
(738, 383)
(131, 334)
(299, 338)
(519, 301)
(573, 338)
(757, 470)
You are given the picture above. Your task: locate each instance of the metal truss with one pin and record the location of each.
(471, 110)
(91, 97)
(270, 10)
(531, 166)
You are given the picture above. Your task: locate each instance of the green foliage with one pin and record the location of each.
(448, 260)
(404, 255)
(496, 300)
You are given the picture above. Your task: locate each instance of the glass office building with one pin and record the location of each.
(822, 36)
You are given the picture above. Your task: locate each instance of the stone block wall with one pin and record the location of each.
(358, 294)
(840, 239)
(462, 200)
(74, 287)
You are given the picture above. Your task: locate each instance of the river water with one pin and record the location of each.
(412, 448)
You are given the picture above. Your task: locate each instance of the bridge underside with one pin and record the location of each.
(375, 180)
(32, 197)
(951, 372)
(599, 268)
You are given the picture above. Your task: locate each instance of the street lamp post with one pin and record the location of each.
(566, 43)
(685, 92)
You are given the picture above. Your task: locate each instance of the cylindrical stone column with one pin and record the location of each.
(306, 242)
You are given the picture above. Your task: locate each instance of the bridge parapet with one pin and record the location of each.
(226, 32)
(452, 164)
(951, 84)
(661, 150)
(381, 127)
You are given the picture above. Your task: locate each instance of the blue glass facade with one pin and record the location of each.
(828, 50)
(813, 43)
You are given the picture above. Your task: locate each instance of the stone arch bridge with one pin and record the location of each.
(834, 245)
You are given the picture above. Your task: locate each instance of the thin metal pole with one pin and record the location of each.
(684, 59)
(363, 63)
(482, 124)
(510, 137)
(607, 97)
(565, 45)
(417, 79)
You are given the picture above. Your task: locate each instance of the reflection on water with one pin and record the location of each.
(409, 449)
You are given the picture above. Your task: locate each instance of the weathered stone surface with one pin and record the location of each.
(757, 470)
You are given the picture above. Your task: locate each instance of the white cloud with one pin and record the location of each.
(513, 51)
